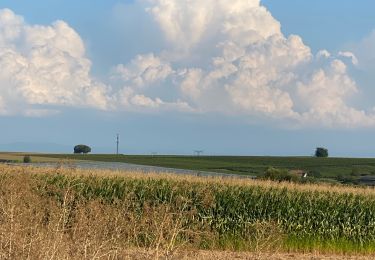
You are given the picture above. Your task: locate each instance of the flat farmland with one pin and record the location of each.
(243, 165)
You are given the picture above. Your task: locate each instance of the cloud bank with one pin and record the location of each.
(220, 56)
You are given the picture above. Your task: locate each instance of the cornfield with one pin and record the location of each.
(230, 210)
(167, 212)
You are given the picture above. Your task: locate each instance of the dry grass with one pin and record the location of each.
(33, 226)
(19, 157)
(37, 227)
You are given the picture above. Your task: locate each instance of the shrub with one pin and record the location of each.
(280, 175)
(27, 159)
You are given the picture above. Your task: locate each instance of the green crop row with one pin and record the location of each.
(232, 210)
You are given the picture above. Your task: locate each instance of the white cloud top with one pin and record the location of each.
(226, 56)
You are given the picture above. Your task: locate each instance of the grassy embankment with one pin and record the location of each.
(70, 213)
(333, 168)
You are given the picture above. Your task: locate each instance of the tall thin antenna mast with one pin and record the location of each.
(117, 142)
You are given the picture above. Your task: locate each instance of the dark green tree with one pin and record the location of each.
(81, 148)
(321, 152)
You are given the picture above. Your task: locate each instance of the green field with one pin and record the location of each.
(244, 165)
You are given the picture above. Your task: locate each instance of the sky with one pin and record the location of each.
(230, 77)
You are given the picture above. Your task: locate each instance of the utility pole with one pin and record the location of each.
(117, 142)
(198, 153)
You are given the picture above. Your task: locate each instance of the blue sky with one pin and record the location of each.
(158, 103)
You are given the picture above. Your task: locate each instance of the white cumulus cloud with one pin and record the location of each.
(143, 71)
(230, 56)
(44, 65)
(144, 74)
(221, 56)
